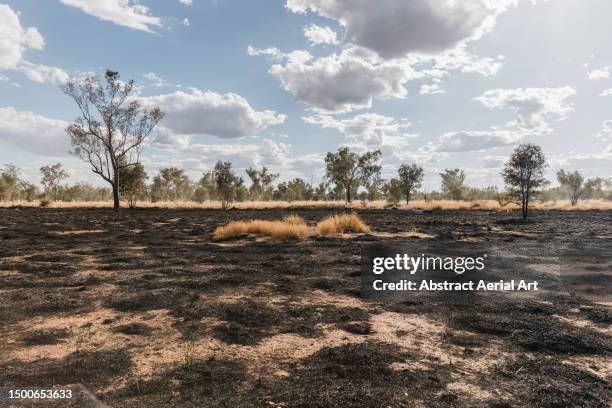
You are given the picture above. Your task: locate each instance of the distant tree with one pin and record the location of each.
(524, 173)
(171, 184)
(320, 192)
(374, 188)
(575, 184)
(411, 178)
(294, 190)
(452, 183)
(349, 170)
(206, 188)
(261, 183)
(29, 191)
(394, 190)
(52, 176)
(227, 183)
(9, 183)
(133, 183)
(111, 130)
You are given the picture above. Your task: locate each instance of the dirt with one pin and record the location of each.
(144, 309)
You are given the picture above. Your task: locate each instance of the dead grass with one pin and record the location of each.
(294, 220)
(487, 205)
(275, 229)
(342, 224)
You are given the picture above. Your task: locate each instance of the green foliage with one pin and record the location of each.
(261, 183)
(133, 184)
(227, 183)
(9, 183)
(394, 190)
(171, 184)
(411, 178)
(523, 173)
(452, 183)
(348, 170)
(294, 190)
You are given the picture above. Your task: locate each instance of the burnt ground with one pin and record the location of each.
(143, 309)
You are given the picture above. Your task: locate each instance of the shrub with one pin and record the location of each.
(45, 203)
(342, 224)
(276, 229)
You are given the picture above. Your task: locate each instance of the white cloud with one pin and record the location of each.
(601, 73)
(432, 89)
(125, 13)
(607, 92)
(15, 39)
(395, 28)
(317, 35)
(209, 113)
(186, 2)
(467, 140)
(156, 80)
(369, 129)
(342, 83)
(33, 133)
(534, 106)
(44, 73)
(186, 22)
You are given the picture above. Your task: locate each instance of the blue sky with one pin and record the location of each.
(281, 82)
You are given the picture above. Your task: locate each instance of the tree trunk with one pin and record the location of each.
(116, 203)
(407, 197)
(348, 195)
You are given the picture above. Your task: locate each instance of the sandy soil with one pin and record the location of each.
(144, 309)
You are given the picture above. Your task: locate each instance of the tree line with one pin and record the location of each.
(110, 132)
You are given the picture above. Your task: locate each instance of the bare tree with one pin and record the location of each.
(411, 178)
(52, 176)
(110, 132)
(524, 173)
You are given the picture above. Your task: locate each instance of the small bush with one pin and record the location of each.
(342, 224)
(276, 229)
(45, 203)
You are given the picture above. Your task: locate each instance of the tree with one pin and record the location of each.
(9, 183)
(261, 183)
(111, 129)
(575, 184)
(524, 173)
(394, 190)
(294, 190)
(227, 183)
(320, 193)
(206, 188)
(171, 184)
(349, 170)
(52, 176)
(28, 190)
(452, 183)
(411, 178)
(133, 185)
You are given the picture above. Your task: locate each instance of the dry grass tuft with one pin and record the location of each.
(275, 229)
(294, 220)
(342, 224)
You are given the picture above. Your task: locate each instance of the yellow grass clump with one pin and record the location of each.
(342, 224)
(275, 229)
(294, 220)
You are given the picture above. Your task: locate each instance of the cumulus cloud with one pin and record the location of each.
(601, 73)
(395, 28)
(209, 113)
(534, 106)
(317, 35)
(125, 13)
(431, 89)
(342, 83)
(15, 39)
(33, 133)
(186, 2)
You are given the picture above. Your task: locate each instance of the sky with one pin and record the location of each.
(278, 83)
